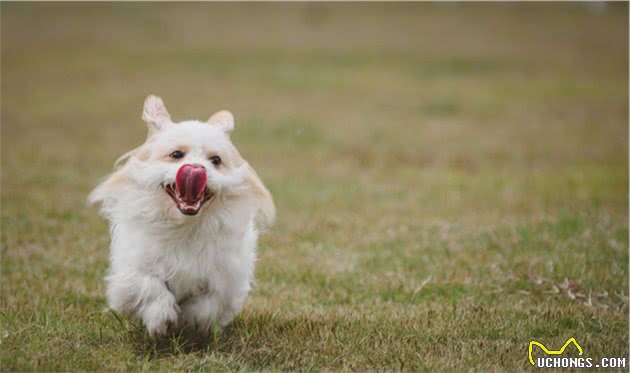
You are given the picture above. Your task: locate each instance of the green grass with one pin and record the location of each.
(451, 180)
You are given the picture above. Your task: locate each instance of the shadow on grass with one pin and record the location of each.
(148, 347)
(253, 337)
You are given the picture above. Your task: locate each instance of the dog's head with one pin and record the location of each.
(182, 169)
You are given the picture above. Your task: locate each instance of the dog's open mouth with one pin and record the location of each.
(189, 191)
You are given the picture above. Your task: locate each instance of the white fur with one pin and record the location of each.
(171, 270)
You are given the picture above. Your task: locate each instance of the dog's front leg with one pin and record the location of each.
(146, 296)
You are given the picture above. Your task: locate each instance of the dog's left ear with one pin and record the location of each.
(155, 114)
(224, 120)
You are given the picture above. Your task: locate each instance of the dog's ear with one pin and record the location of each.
(224, 120)
(155, 114)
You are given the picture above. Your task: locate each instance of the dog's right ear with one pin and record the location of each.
(155, 114)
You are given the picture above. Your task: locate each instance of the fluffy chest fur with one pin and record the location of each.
(211, 258)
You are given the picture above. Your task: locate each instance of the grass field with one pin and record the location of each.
(451, 180)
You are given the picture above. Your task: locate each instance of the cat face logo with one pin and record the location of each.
(552, 352)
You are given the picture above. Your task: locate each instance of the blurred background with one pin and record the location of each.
(419, 154)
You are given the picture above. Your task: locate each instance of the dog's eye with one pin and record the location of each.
(216, 160)
(177, 154)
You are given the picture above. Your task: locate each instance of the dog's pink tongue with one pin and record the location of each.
(191, 182)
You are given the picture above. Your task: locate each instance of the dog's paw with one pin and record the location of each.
(160, 316)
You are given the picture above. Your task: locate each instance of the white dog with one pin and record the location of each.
(185, 210)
